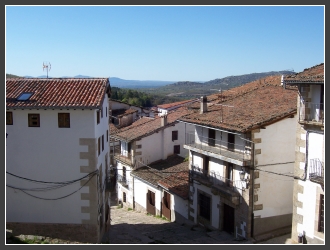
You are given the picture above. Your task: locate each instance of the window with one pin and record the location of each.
(211, 137)
(34, 120)
(107, 135)
(321, 215)
(99, 145)
(174, 135)
(24, 96)
(98, 116)
(229, 174)
(102, 143)
(124, 197)
(106, 111)
(176, 149)
(64, 120)
(101, 112)
(204, 206)
(231, 142)
(206, 165)
(9, 118)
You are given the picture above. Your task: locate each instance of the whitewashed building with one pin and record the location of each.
(241, 159)
(142, 143)
(57, 153)
(308, 196)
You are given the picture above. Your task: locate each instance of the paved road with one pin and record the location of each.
(132, 227)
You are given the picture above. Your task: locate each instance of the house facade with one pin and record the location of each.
(146, 141)
(57, 153)
(308, 196)
(241, 154)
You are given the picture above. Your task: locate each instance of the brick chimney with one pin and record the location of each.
(203, 105)
(163, 120)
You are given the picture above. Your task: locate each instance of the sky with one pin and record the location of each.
(165, 43)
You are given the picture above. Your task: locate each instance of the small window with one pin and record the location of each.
(107, 135)
(64, 120)
(24, 96)
(124, 197)
(34, 120)
(99, 145)
(98, 116)
(174, 135)
(176, 149)
(9, 118)
(106, 111)
(101, 112)
(321, 214)
(102, 143)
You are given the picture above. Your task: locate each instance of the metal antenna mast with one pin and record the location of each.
(221, 100)
(47, 66)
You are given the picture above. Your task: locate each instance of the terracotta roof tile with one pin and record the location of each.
(57, 92)
(311, 75)
(248, 106)
(146, 126)
(172, 173)
(173, 104)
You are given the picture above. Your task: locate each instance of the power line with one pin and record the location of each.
(90, 177)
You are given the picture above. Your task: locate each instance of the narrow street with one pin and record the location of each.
(132, 227)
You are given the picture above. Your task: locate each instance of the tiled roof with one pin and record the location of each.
(57, 92)
(146, 126)
(249, 106)
(122, 112)
(174, 104)
(313, 75)
(172, 173)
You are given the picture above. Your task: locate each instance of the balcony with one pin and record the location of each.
(120, 156)
(316, 171)
(230, 152)
(123, 180)
(311, 113)
(218, 184)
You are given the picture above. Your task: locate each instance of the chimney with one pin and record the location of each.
(282, 81)
(163, 120)
(203, 105)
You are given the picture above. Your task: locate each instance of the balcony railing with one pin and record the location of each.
(216, 180)
(126, 158)
(224, 148)
(123, 180)
(316, 171)
(311, 112)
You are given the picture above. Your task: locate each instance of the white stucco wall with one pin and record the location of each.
(51, 154)
(179, 205)
(312, 190)
(277, 155)
(140, 193)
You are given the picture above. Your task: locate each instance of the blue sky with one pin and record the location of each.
(169, 43)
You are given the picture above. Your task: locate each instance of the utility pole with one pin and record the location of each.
(47, 66)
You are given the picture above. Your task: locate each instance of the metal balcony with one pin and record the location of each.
(234, 153)
(311, 113)
(123, 180)
(316, 171)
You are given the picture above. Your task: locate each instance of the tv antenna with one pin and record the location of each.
(222, 105)
(46, 66)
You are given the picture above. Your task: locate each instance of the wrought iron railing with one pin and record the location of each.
(123, 180)
(316, 170)
(216, 179)
(122, 156)
(311, 112)
(231, 150)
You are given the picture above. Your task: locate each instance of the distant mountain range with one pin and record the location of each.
(172, 86)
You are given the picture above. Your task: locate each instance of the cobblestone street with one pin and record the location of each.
(132, 227)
